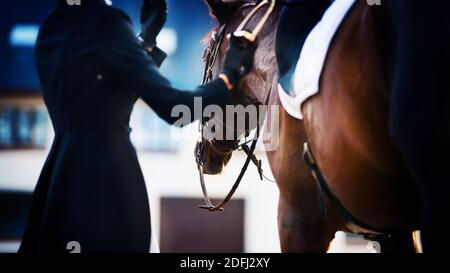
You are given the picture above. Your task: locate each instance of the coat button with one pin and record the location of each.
(99, 77)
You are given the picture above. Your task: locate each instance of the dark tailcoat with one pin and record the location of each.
(91, 190)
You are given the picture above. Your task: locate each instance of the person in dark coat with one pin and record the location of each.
(92, 69)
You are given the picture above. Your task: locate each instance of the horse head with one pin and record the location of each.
(254, 89)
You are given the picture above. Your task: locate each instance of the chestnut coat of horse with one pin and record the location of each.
(368, 190)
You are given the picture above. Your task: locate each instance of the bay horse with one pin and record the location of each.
(359, 182)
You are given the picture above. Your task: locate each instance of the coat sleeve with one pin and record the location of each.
(122, 52)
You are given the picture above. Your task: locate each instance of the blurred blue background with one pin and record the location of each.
(187, 24)
(167, 161)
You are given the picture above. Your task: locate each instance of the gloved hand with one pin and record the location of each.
(239, 59)
(153, 18)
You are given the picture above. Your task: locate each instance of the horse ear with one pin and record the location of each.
(223, 9)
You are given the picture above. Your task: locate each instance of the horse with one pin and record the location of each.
(355, 180)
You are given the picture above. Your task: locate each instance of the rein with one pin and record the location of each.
(210, 58)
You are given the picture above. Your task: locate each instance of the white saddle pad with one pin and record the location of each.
(312, 58)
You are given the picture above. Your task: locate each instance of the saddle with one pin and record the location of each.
(296, 22)
(297, 86)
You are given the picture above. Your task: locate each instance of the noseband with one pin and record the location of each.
(210, 59)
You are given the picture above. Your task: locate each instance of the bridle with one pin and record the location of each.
(210, 59)
(212, 51)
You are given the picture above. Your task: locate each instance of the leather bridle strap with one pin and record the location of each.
(210, 60)
(252, 35)
(210, 54)
(219, 207)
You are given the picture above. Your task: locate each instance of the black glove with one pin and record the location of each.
(239, 59)
(153, 18)
(157, 55)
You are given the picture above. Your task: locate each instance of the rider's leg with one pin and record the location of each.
(296, 22)
(420, 107)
